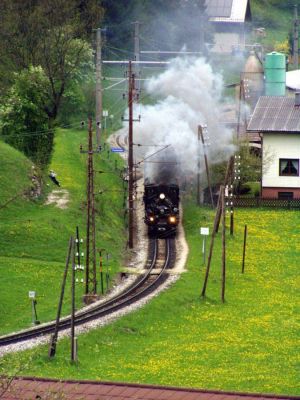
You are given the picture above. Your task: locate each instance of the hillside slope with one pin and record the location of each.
(35, 231)
(15, 173)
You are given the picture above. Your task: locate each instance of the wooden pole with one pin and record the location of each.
(91, 270)
(244, 249)
(200, 132)
(223, 247)
(226, 182)
(130, 156)
(198, 171)
(211, 247)
(53, 341)
(73, 358)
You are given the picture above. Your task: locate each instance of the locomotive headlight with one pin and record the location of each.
(172, 219)
(162, 196)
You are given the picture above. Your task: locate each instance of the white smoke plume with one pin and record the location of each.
(189, 94)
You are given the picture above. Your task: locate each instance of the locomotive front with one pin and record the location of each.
(161, 209)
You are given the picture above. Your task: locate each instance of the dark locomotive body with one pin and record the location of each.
(161, 209)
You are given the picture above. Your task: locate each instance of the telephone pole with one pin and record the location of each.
(90, 277)
(296, 37)
(130, 156)
(198, 172)
(131, 98)
(98, 86)
(137, 51)
(200, 133)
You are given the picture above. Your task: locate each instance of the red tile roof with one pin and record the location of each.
(43, 389)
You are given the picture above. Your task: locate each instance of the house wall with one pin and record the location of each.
(228, 37)
(276, 146)
(273, 192)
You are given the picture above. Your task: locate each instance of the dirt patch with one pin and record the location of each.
(60, 198)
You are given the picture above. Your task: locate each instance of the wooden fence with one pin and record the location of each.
(266, 202)
(256, 202)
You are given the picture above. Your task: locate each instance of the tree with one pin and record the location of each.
(50, 34)
(24, 124)
(169, 25)
(44, 41)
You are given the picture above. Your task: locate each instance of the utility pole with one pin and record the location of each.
(296, 37)
(223, 244)
(131, 98)
(200, 133)
(137, 51)
(202, 21)
(130, 156)
(198, 172)
(90, 276)
(98, 87)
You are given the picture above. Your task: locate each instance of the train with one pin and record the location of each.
(161, 209)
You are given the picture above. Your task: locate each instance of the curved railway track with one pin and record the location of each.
(160, 259)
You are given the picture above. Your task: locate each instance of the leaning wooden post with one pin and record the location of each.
(223, 246)
(73, 341)
(211, 247)
(244, 249)
(226, 182)
(53, 341)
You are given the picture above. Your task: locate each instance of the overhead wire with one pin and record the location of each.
(39, 133)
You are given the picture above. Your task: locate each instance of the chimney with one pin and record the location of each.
(297, 99)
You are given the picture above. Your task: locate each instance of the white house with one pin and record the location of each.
(277, 120)
(229, 19)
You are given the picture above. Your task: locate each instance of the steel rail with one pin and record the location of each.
(135, 292)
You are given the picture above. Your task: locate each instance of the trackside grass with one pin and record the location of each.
(250, 343)
(35, 235)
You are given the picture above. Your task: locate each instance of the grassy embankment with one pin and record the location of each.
(247, 344)
(277, 22)
(35, 235)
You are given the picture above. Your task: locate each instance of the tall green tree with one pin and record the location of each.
(23, 122)
(165, 25)
(50, 35)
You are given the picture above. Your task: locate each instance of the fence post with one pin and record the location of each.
(244, 249)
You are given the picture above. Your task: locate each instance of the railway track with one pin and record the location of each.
(160, 260)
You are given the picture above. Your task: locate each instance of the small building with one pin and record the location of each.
(277, 120)
(229, 18)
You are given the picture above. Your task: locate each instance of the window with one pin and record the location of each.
(288, 167)
(285, 195)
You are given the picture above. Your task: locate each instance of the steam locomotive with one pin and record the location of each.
(161, 209)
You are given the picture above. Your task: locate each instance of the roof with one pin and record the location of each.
(232, 11)
(275, 114)
(38, 388)
(293, 79)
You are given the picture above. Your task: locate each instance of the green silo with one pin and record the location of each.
(275, 74)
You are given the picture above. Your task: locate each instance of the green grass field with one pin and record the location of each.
(35, 236)
(250, 343)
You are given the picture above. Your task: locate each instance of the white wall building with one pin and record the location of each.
(277, 120)
(229, 19)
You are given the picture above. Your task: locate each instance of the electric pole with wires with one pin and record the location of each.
(90, 276)
(137, 52)
(98, 87)
(132, 94)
